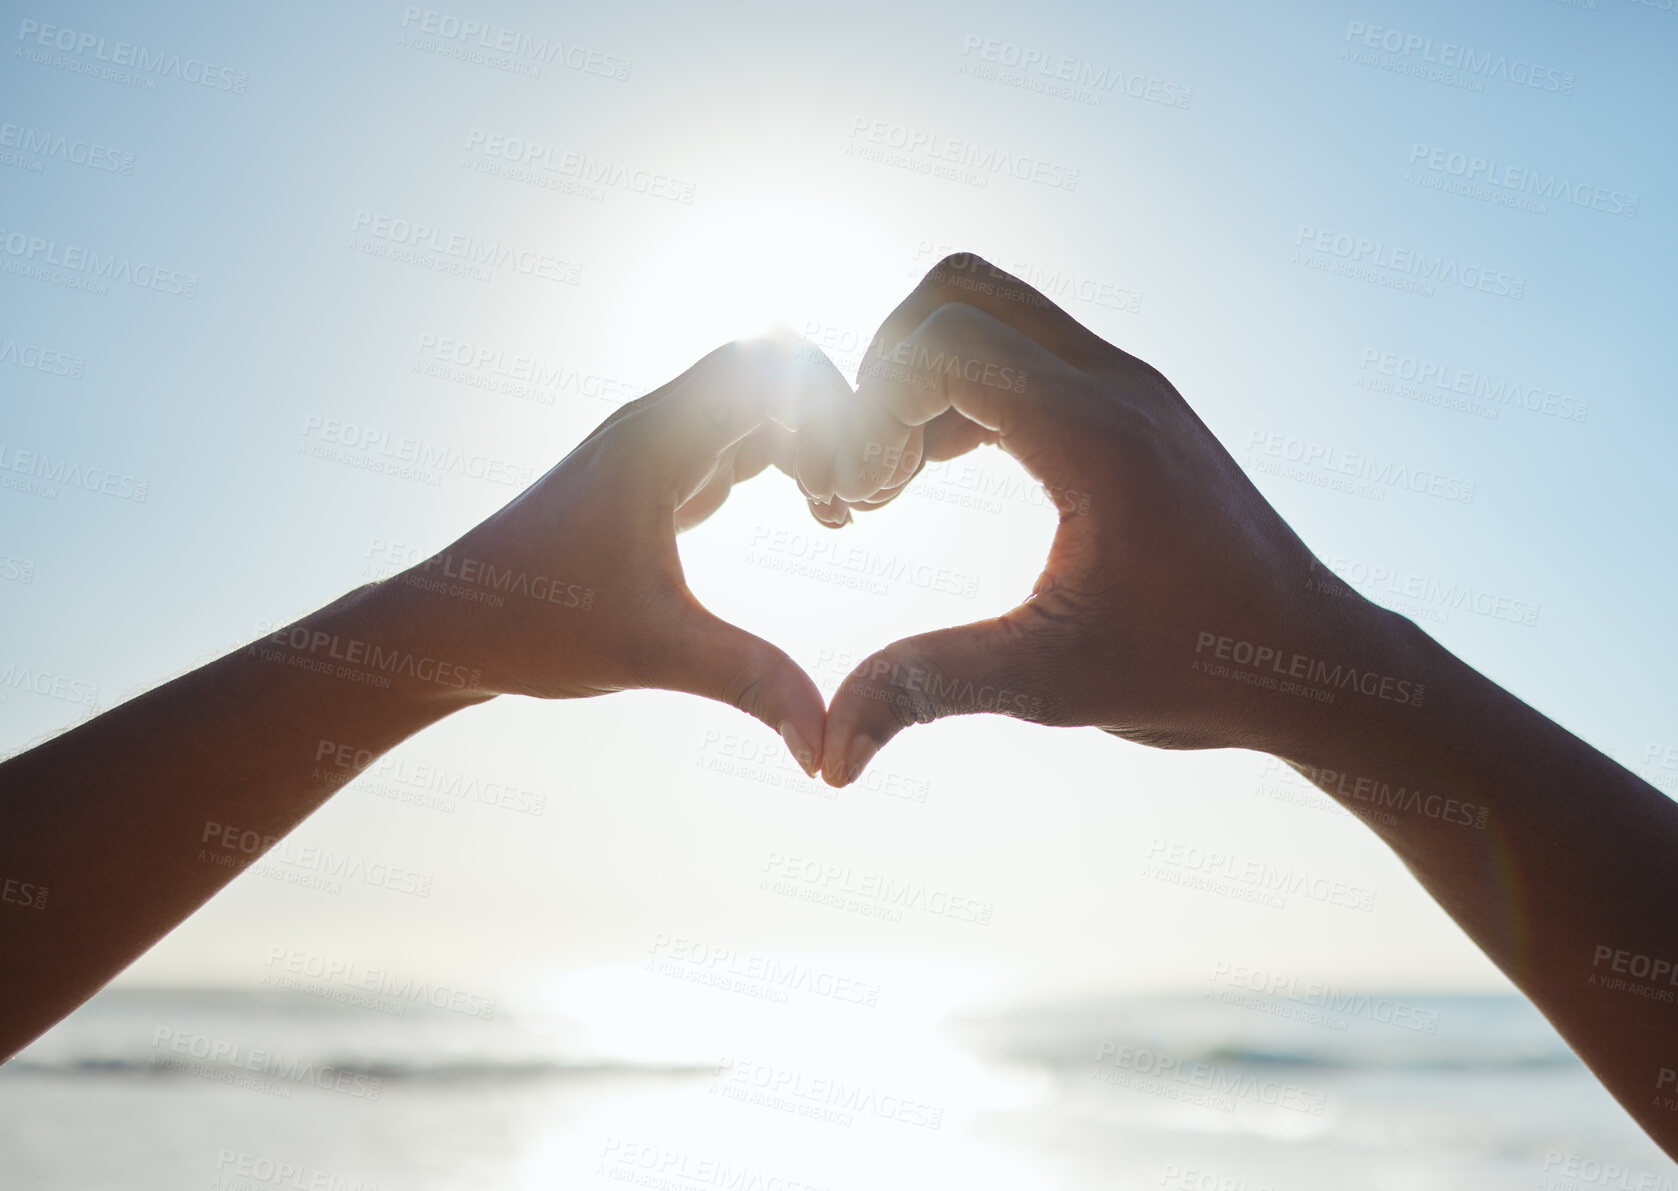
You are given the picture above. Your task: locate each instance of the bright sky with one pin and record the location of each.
(1230, 191)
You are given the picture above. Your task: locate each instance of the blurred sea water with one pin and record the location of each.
(267, 1091)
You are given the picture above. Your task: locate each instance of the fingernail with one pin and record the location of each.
(801, 752)
(862, 752)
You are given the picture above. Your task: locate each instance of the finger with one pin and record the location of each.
(685, 429)
(882, 439)
(772, 444)
(909, 458)
(988, 666)
(708, 656)
(948, 436)
(711, 496)
(768, 444)
(833, 514)
(970, 279)
(1030, 401)
(815, 459)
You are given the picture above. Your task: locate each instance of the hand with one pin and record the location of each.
(575, 588)
(1166, 565)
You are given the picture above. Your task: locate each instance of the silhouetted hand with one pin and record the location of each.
(575, 588)
(1166, 555)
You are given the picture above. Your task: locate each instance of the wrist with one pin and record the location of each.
(1392, 686)
(385, 641)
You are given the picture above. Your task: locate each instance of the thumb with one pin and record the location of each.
(708, 656)
(987, 666)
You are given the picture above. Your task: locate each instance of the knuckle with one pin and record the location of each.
(746, 693)
(956, 262)
(952, 320)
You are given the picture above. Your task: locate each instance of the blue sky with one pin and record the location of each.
(1239, 195)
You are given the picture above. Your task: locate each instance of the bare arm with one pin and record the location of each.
(128, 823)
(1558, 862)
(1177, 609)
(120, 828)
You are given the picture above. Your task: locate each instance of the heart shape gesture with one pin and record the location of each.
(1159, 525)
(1162, 542)
(1176, 609)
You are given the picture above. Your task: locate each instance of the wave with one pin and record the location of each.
(1341, 1032)
(158, 1034)
(156, 1067)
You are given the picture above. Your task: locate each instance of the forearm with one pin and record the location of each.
(120, 825)
(1556, 861)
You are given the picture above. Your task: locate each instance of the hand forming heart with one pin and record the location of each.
(1164, 548)
(1176, 609)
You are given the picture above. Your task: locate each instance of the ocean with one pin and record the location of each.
(1231, 1091)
